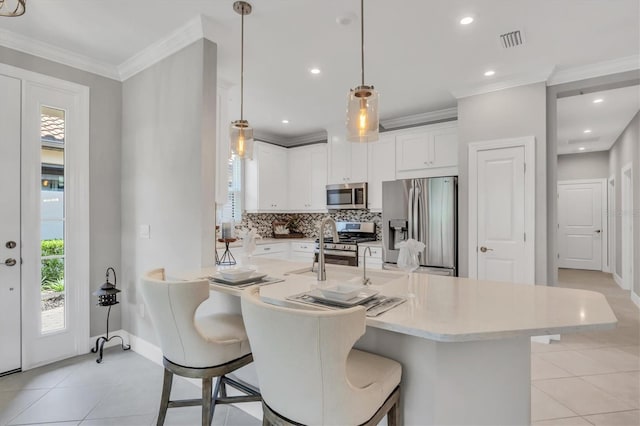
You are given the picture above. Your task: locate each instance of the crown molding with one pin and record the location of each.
(290, 142)
(422, 118)
(49, 52)
(507, 83)
(599, 69)
(163, 48)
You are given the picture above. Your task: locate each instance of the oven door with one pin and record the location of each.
(336, 258)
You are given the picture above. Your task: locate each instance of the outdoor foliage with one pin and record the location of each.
(52, 273)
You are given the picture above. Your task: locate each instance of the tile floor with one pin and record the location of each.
(590, 378)
(584, 379)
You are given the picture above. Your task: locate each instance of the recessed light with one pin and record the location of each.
(314, 70)
(581, 148)
(285, 121)
(466, 20)
(587, 131)
(597, 101)
(489, 73)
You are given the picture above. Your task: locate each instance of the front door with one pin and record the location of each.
(10, 342)
(580, 223)
(501, 254)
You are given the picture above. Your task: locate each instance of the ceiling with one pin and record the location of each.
(595, 126)
(417, 53)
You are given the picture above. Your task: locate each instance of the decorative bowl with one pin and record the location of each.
(236, 273)
(341, 291)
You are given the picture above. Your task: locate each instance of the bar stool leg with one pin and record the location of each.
(206, 401)
(164, 399)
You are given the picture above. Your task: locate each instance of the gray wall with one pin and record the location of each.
(520, 111)
(627, 150)
(588, 165)
(168, 172)
(104, 169)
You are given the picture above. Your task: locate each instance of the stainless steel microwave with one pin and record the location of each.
(347, 196)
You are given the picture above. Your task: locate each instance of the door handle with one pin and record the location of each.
(10, 262)
(485, 249)
(598, 231)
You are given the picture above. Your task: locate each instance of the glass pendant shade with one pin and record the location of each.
(362, 115)
(241, 139)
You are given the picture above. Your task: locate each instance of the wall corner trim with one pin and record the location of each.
(618, 279)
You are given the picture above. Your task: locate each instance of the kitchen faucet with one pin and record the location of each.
(322, 274)
(365, 280)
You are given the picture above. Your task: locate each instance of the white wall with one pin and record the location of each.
(168, 172)
(588, 165)
(104, 170)
(520, 111)
(626, 150)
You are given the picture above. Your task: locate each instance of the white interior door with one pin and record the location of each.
(501, 254)
(10, 342)
(580, 225)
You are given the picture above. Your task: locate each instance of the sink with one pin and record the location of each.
(355, 276)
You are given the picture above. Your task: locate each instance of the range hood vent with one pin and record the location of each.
(511, 39)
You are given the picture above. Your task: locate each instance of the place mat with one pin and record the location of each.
(260, 282)
(375, 306)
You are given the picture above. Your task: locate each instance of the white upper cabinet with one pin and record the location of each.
(427, 151)
(347, 160)
(382, 167)
(307, 178)
(266, 179)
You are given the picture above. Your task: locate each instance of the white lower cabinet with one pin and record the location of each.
(374, 260)
(302, 252)
(273, 250)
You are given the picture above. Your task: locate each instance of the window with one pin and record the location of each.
(232, 210)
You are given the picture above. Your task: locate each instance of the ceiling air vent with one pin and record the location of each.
(511, 39)
(584, 140)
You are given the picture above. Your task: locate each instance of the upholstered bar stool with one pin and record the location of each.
(308, 372)
(200, 347)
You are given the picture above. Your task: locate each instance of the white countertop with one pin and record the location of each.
(262, 241)
(449, 309)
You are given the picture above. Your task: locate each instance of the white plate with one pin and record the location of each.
(235, 274)
(342, 291)
(256, 276)
(364, 295)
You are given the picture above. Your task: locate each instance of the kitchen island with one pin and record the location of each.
(464, 344)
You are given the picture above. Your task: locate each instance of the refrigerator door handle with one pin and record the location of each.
(410, 213)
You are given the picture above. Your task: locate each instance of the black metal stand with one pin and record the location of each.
(227, 258)
(102, 340)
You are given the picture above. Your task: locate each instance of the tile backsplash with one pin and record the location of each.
(308, 223)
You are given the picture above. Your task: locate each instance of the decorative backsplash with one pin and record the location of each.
(307, 223)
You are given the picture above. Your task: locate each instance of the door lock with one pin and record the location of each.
(10, 262)
(10, 244)
(485, 249)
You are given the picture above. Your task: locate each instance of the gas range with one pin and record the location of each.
(345, 251)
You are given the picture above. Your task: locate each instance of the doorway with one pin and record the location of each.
(45, 229)
(627, 225)
(502, 210)
(582, 230)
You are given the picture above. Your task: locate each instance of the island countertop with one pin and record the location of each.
(450, 309)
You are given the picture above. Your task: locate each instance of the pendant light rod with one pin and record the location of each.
(242, 65)
(362, 39)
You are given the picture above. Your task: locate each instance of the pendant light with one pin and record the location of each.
(13, 7)
(362, 105)
(241, 133)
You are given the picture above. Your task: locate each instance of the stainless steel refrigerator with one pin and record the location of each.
(425, 210)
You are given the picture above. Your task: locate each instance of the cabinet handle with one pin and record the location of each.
(267, 248)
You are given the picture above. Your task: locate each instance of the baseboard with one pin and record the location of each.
(635, 298)
(618, 279)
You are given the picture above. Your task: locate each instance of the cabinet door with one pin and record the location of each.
(272, 164)
(318, 189)
(412, 151)
(339, 162)
(443, 151)
(382, 167)
(300, 177)
(358, 163)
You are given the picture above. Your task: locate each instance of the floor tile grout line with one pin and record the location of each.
(29, 405)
